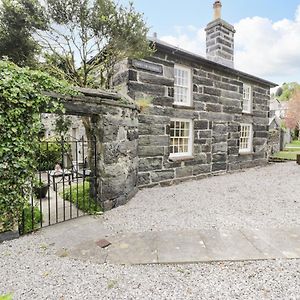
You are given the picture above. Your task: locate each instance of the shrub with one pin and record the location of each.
(48, 155)
(82, 199)
(31, 219)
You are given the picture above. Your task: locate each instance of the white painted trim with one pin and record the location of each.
(190, 141)
(190, 90)
(250, 100)
(250, 145)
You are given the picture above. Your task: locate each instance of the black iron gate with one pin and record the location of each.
(66, 184)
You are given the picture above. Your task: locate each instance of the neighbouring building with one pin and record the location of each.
(279, 136)
(204, 116)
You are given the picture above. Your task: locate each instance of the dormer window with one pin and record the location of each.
(182, 86)
(247, 99)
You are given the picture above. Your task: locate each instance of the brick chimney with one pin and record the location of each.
(220, 39)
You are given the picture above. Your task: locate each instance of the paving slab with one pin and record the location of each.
(78, 234)
(181, 247)
(130, 249)
(229, 245)
(284, 240)
(80, 239)
(262, 242)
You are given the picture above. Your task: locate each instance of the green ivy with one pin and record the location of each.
(22, 99)
(48, 154)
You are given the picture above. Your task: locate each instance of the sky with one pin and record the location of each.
(267, 40)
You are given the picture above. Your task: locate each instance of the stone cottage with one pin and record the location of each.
(204, 116)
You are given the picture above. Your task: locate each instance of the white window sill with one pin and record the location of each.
(246, 153)
(185, 106)
(181, 158)
(249, 113)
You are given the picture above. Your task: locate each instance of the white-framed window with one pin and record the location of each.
(247, 98)
(181, 137)
(246, 138)
(182, 86)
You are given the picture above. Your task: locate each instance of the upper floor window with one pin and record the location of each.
(246, 138)
(181, 138)
(247, 98)
(182, 86)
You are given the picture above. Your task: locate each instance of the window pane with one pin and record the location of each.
(245, 137)
(247, 98)
(182, 85)
(179, 137)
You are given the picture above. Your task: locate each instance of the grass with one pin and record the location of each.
(27, 219)
(6, 297)
(81, 198)
(291, 149)
(295, 143)
(289, 153)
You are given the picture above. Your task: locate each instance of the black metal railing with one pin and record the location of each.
(66, 184)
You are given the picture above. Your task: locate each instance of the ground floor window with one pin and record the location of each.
(246, 138)
(181, 137)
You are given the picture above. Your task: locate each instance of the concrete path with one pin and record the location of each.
(176, 247)
(54, 208)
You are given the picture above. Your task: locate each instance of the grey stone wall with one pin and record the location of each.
(216, 114)
(115, 126)
(220, 42)
(118, 161)
(274, 141)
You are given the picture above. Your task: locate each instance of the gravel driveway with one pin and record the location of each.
(255, 198)
(263, 197)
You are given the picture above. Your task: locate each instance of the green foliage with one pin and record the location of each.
(62, 124)
(50, 150)
(287, 91)
(81, 197)
(144, 103)
(6, 297)
(295, 143)
(48, 155)
(22, 99)
(31, 219)
(19, 20)
(87, 38)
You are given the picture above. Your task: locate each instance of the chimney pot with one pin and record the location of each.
(217, 10)
(220, 39)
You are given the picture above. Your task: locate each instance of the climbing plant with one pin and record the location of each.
(22, 98)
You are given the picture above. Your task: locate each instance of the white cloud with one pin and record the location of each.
(189, 38)
(262, 47)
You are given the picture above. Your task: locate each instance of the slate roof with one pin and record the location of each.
(161, 45)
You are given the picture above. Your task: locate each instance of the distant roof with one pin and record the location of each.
(190, 55)
(276, 120)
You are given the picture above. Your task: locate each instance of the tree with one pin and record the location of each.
(286, 91)
(292, 119)
(19, 20)
(84, 42)
(87, 38)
